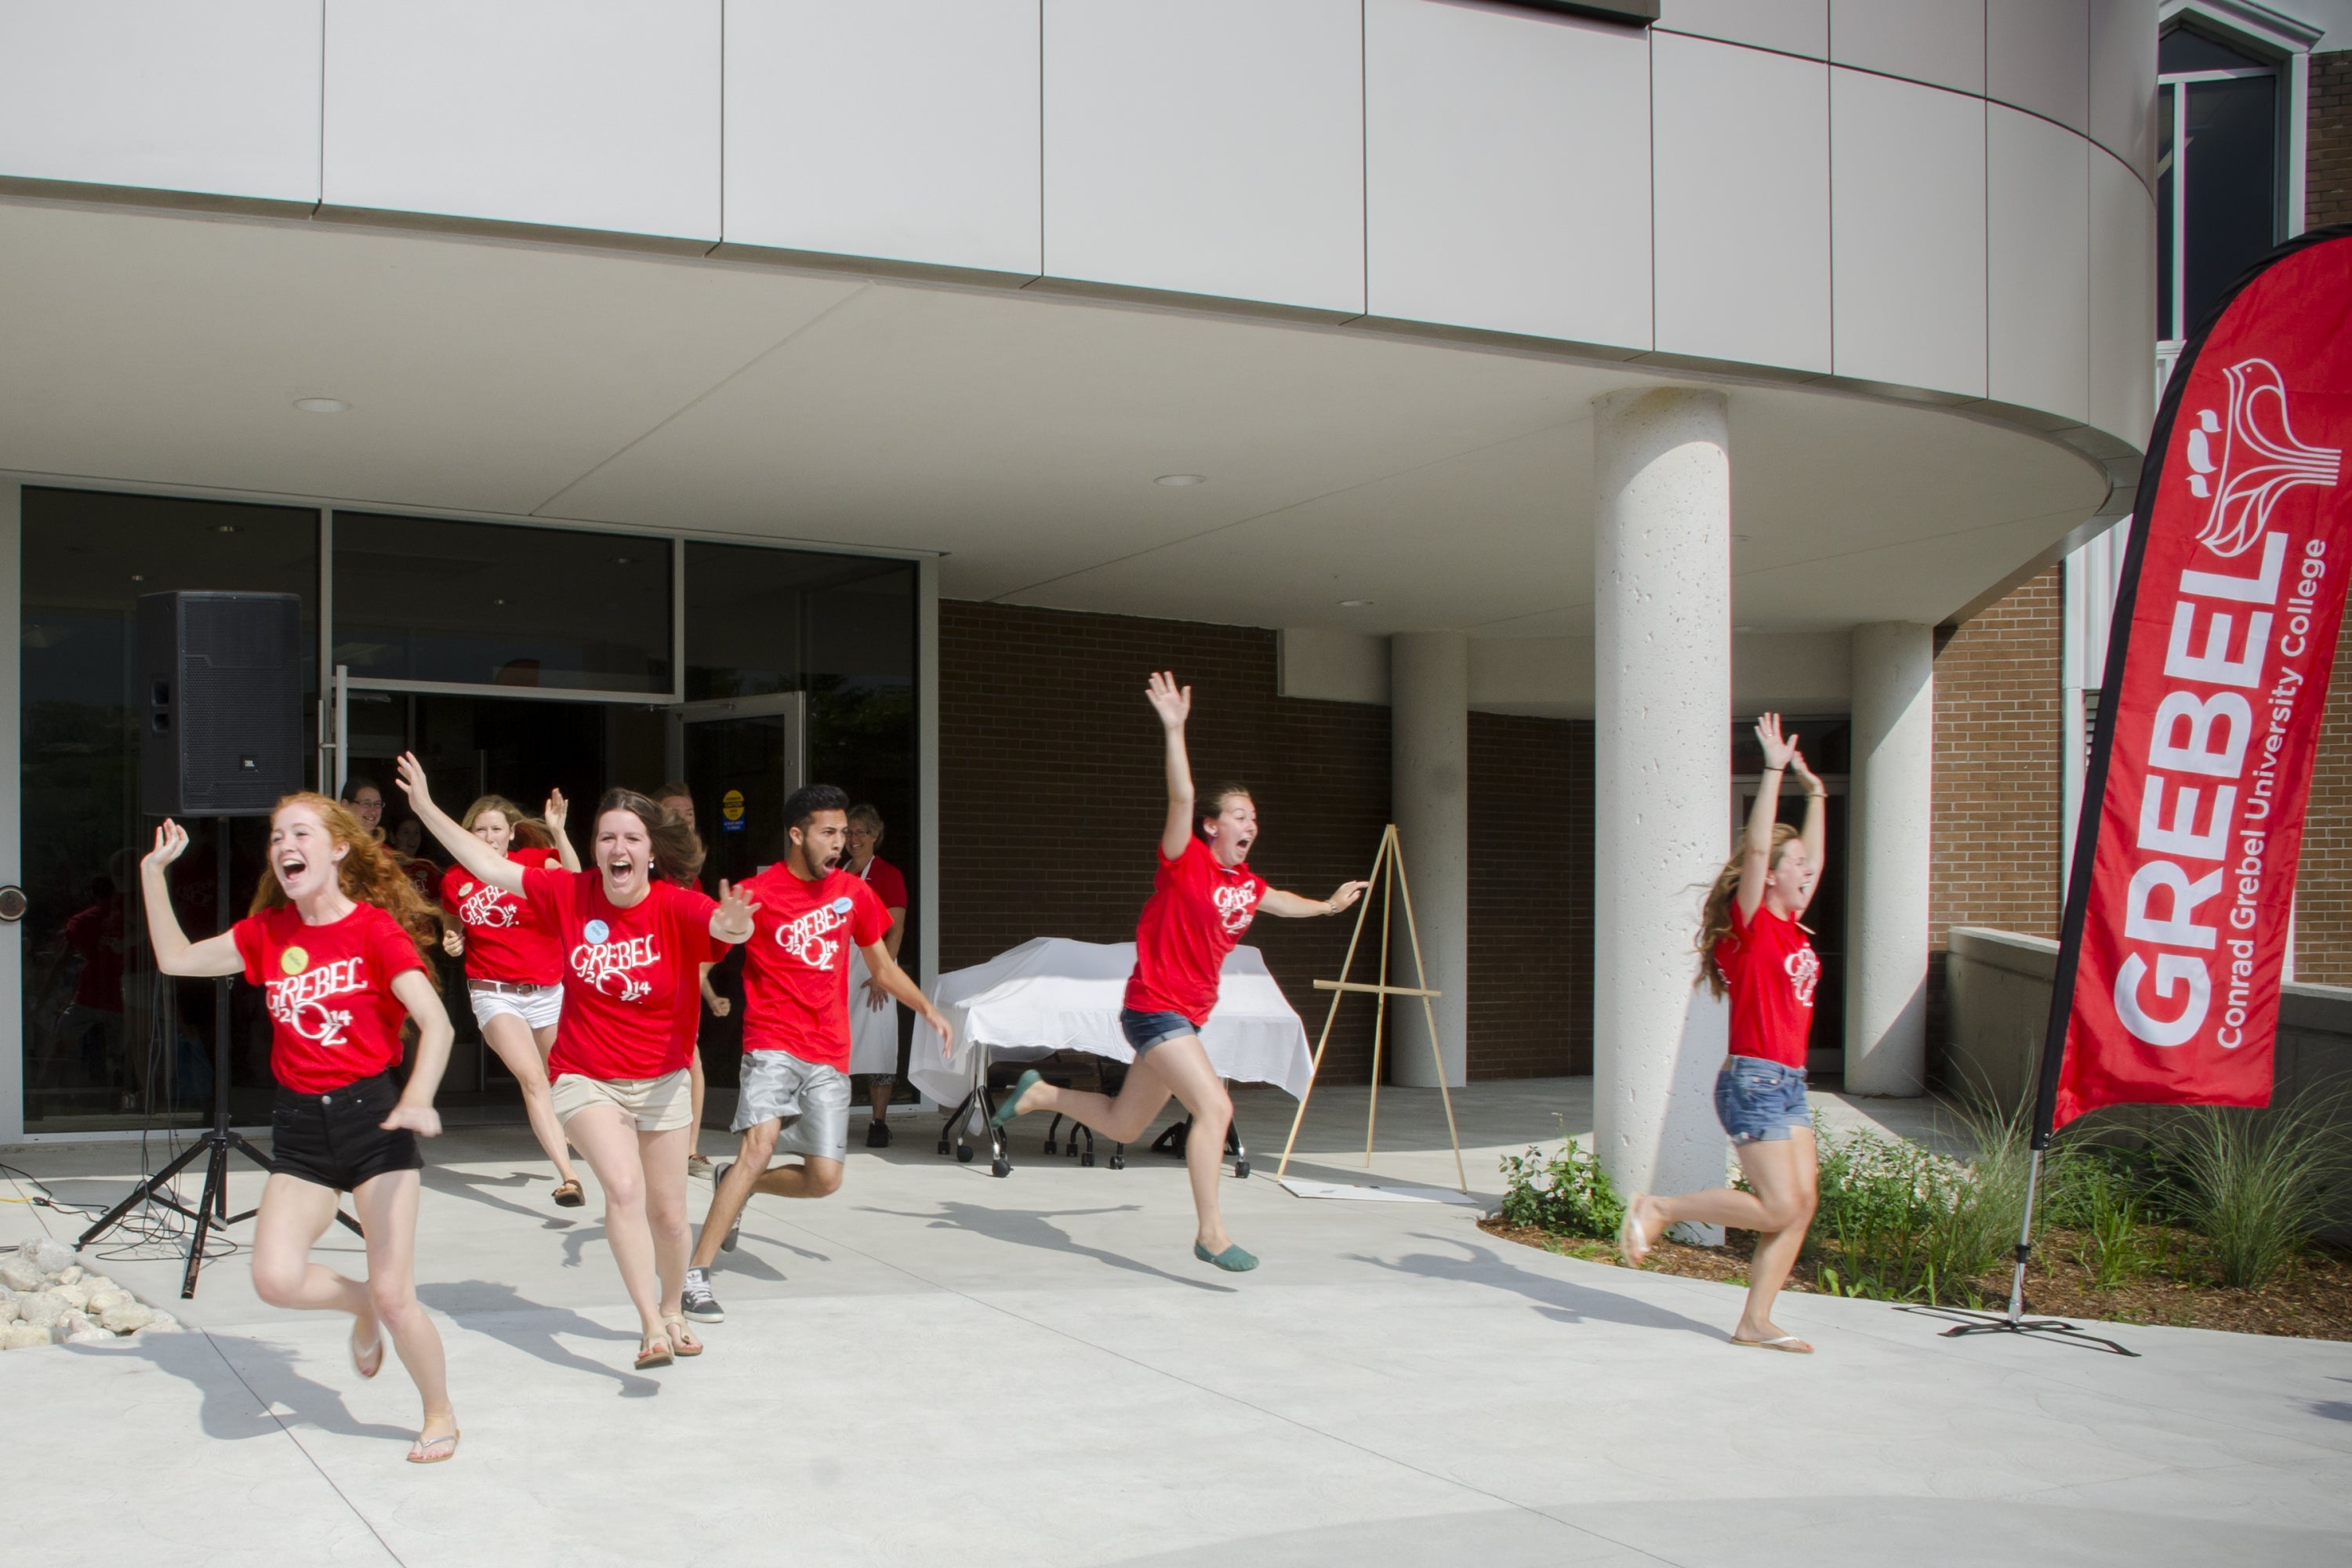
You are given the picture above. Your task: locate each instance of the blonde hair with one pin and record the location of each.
(1715, 915)
(371, 873)
(529, 831)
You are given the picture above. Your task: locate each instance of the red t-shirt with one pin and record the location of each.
(1772, 969)
(1197, 911)
(796, 967)
(888, 884)
(623, 971)
(504, 940)
(334, 1018)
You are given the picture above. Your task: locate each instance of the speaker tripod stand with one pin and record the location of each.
(211, 1212)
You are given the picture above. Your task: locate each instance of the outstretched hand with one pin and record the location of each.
(1347, 894)
(938, 1021)
(409, 774)
(735, 910)
(1811, 780)
(171, 843)
(554, 811)
(1173, 702)
(1778, 748)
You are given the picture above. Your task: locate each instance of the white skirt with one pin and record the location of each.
(872, 1032)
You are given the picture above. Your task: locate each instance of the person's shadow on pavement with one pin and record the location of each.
(1028, 1228)
(503, 1313)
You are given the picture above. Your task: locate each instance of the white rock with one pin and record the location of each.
(99, 1300)
(128, 1318)
(77, 1294)
(98, 1282)
(51, 1256)
(20, 1273)
(42, 1308)
(162, 1323)
(22, 1337)
(92, 1337)
(71, 1274)
(8, 1305)
(72, 1324)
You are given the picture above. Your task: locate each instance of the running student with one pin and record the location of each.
(514, 972)
(335, 939)
(632, 940)
(873, 1017)
(1753, 950)
(1203, 898)
(678, 799)
(808, 916)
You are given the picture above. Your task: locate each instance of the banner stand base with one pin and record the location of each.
(2057, 1329)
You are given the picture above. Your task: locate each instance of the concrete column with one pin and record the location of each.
(1662, 797)
(1429, 774)
(1887, 837)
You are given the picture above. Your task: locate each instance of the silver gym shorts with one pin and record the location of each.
(809, 1098)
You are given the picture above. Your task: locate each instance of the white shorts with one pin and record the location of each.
(537, 1006)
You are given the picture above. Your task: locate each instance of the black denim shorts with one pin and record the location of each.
(335, 1141)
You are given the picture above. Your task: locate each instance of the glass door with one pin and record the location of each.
(745, 756)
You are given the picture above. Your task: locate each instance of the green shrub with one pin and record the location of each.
(2107, 1194)
(1899, 1223)
(1567, 1195)
(2254, 1183)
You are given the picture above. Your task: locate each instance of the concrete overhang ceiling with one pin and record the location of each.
(1017, 435)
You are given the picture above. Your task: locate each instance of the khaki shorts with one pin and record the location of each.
(660, 1104)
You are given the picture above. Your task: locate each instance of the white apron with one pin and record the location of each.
(872, 1032)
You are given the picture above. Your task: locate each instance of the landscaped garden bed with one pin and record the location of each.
(2202, 1220)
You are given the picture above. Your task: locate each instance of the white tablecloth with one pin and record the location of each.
(1055, 994)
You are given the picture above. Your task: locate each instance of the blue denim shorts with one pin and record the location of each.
(1757, 1101)
(1145, 1030)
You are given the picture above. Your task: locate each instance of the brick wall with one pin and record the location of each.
(1999, 777)
(2327, 186)
(1530, 897)
(1050, 800)
(1051, 795)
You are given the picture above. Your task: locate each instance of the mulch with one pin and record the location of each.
(2311, 1299)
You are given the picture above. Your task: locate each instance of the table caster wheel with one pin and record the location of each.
(1118, 1162)
(943, 1146)
(999, 1167)
(1086, 1160)
(1240, 1170)
(1049, 1145)
(963, 1153)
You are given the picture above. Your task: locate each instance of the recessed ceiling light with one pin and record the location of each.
(139, 576)
(321, 405)
(498, 601)
(1355, 603)
(223, 527)
(621, 560)
(1177, 480)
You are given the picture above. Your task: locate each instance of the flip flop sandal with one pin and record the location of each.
(362, 1362)
(568, 1195)
(1788, 1344)
(653, 1353)
(1632, 1245)
(421, 1451)
(681, 1338)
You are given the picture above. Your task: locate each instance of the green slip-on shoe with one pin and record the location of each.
(1006, 1110)
(1233, 1259)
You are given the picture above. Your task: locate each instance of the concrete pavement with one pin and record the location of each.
(936, 1366)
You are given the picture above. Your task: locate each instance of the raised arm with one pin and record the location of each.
(174, 953)
(414, 1110)
(486, 863)
(1291, 906)
(1173, 703)
(1815, 833)
(730, 922)
(1756, 846)
(554, 814)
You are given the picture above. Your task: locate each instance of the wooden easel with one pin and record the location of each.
(1394, 889)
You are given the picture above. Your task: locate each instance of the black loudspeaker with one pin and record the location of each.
(220, 702)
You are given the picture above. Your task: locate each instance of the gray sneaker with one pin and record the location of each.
(696, 1301)
(735, 1231)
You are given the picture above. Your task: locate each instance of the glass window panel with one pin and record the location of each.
(2187, 49)
(488, 605)
(109, 1042)
(2166, 271)
(2228, 167)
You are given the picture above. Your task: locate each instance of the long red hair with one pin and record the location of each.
(370, 874)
